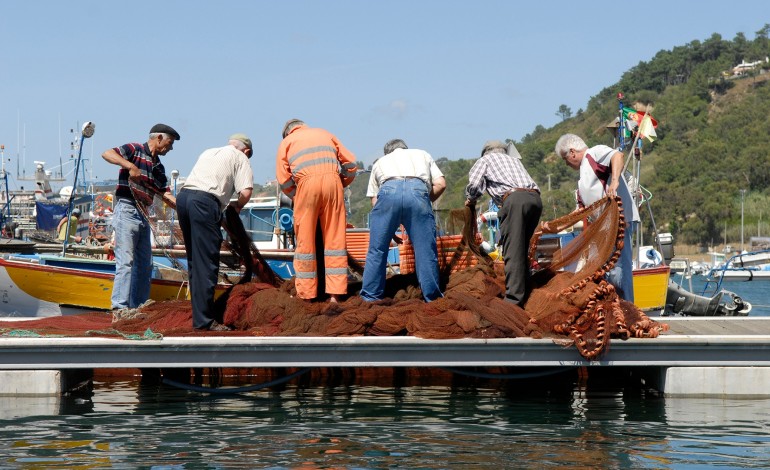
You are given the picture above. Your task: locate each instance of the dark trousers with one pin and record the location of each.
(200, 219)
(518, 218)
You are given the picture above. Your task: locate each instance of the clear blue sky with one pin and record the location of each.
(443, 75)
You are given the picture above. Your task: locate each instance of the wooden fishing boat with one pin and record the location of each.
(51, 285)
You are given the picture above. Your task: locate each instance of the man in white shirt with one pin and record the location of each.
(218, 174)
(402, 186)
(601, 174)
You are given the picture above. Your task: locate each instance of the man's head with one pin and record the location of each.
(290, 125)
(76, 212)
(162, 139)
(394, 144)
(494, 146)
(571, 149)
(242, 143)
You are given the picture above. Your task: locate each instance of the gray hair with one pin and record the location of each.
(240, 145)
(291, 124)
(163, 135)
(394, 144)
(569, 141)
(494, 146)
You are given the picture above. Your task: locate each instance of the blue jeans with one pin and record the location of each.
(133, 257)
(621, 275)
(407, 202)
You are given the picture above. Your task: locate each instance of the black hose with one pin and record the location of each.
(529, 375)
(234, 390)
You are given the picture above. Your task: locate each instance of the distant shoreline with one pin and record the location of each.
(695, 252)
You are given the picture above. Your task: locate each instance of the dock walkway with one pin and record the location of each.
(713, 341)
(700, 346)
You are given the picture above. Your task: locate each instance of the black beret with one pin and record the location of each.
(162, 128)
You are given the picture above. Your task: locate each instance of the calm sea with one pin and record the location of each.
(536, 423)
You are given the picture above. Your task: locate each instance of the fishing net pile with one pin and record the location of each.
(570, 300)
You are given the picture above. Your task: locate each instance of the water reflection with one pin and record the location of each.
(569, 421)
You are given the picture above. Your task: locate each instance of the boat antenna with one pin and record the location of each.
(86, 132)
(8, 196)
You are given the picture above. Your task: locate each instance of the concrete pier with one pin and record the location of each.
(714, 382)
(714, 357)
(43, 382)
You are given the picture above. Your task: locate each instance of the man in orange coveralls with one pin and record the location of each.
(313, 167)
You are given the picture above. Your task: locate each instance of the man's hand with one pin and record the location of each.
(235, 205)
(169, 200)
(134, 172)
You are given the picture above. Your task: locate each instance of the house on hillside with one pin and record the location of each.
(745, 67)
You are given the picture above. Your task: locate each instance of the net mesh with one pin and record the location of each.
(570, 299)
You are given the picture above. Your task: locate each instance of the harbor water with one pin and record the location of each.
(578, 421)
(129, 425)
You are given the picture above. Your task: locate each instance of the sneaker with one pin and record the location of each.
(216, 326)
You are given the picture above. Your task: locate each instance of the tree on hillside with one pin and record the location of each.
(564, 112)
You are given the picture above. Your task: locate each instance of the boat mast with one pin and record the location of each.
(7, 194)
(87, 131)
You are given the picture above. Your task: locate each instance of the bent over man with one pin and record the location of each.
(518, 198)
(601, 173)
(218, 174)
(313, 167)
(402, 186)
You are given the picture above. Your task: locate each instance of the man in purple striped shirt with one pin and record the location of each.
(133, 250)
(517, 195)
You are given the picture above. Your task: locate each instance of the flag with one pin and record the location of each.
(634, 118)
(630, 114)
(647, 128)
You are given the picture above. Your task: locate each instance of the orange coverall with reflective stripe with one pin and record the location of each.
(313, 167)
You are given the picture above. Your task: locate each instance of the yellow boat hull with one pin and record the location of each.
(651, 287)
(33, 290)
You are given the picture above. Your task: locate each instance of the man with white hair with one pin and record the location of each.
(517, 195)
(402, 186)
(601, 174)
(218, 174)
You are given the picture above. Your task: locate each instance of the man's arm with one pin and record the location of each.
(438, 187)
(111, 156)
(476, 183)
(348, 167)
(283, 172)
(169, 200)
(243, 198)
(616, 165)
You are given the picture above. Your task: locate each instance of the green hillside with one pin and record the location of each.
(713, 142)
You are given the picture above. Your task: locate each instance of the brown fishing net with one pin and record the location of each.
(569, 300)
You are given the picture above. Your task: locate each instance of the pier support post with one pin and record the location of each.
(714, 382)
(43, 382)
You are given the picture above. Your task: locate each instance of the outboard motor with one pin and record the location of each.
(666, 244)
(737, 307)
(724, 303)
